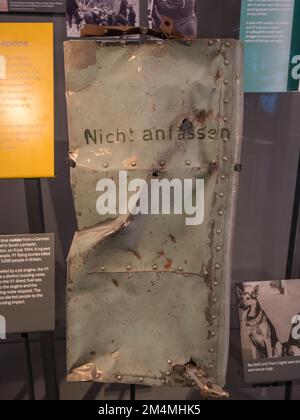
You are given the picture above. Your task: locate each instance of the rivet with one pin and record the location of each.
(219, 231)
(213, 317)
(211, 365)
(154, 267)
(216, 283)
(225, 158)
(227, 44)
(225, 82)
(220, 212)
(180, 268)
(163, 381)
(102, 268)
(128, 267)
(162, 163)
(188, 162)
(217, 266)
(210, 42)
(225, 119)
(226, 101)
(218, 248)
(215, 300)
(169, 362)
(133, 163)
(213, 333)
(221, 194)
(105, 164)
(120, 377)
(222, 176)
(225, 139)
(205, 272)
(212, 350)
(168, 373)
(141, 379)
(226, 62)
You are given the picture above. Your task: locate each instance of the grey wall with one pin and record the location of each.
(269, 157)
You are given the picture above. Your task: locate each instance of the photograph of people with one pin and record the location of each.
(100, 12)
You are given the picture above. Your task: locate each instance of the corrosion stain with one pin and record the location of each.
(115, 282)
(135, 253)
(168, 264)
(203, 116)
(161, 253)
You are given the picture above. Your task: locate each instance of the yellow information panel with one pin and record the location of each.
(26, 100)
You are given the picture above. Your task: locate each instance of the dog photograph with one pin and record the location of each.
(269, 314)
(100, 12)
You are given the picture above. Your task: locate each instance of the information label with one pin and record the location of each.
(26, 100)
(266, 29)
(27, 298)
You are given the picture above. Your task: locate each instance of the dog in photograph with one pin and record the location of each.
(260, 330)
(292, 347)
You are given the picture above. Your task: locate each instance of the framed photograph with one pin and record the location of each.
(100, 12)
(269, 314)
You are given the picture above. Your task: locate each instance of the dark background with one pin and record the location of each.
(270, 156)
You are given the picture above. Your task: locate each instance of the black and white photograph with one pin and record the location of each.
(3, 6)
(182, 12)
(100, 12)
(269, 313)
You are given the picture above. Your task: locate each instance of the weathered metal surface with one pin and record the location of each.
(146, 292)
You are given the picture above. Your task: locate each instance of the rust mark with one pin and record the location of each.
(169, 261)
(208, 316)
(161, 253)
(116, 283)
(168, 264)
(203, 116)
(135, 253)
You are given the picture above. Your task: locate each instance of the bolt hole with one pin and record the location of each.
(167, 23)
(155, 174)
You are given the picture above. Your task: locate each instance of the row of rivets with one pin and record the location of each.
(220, 212)
(154, 266)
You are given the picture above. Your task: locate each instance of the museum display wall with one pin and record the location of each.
(270, 153)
